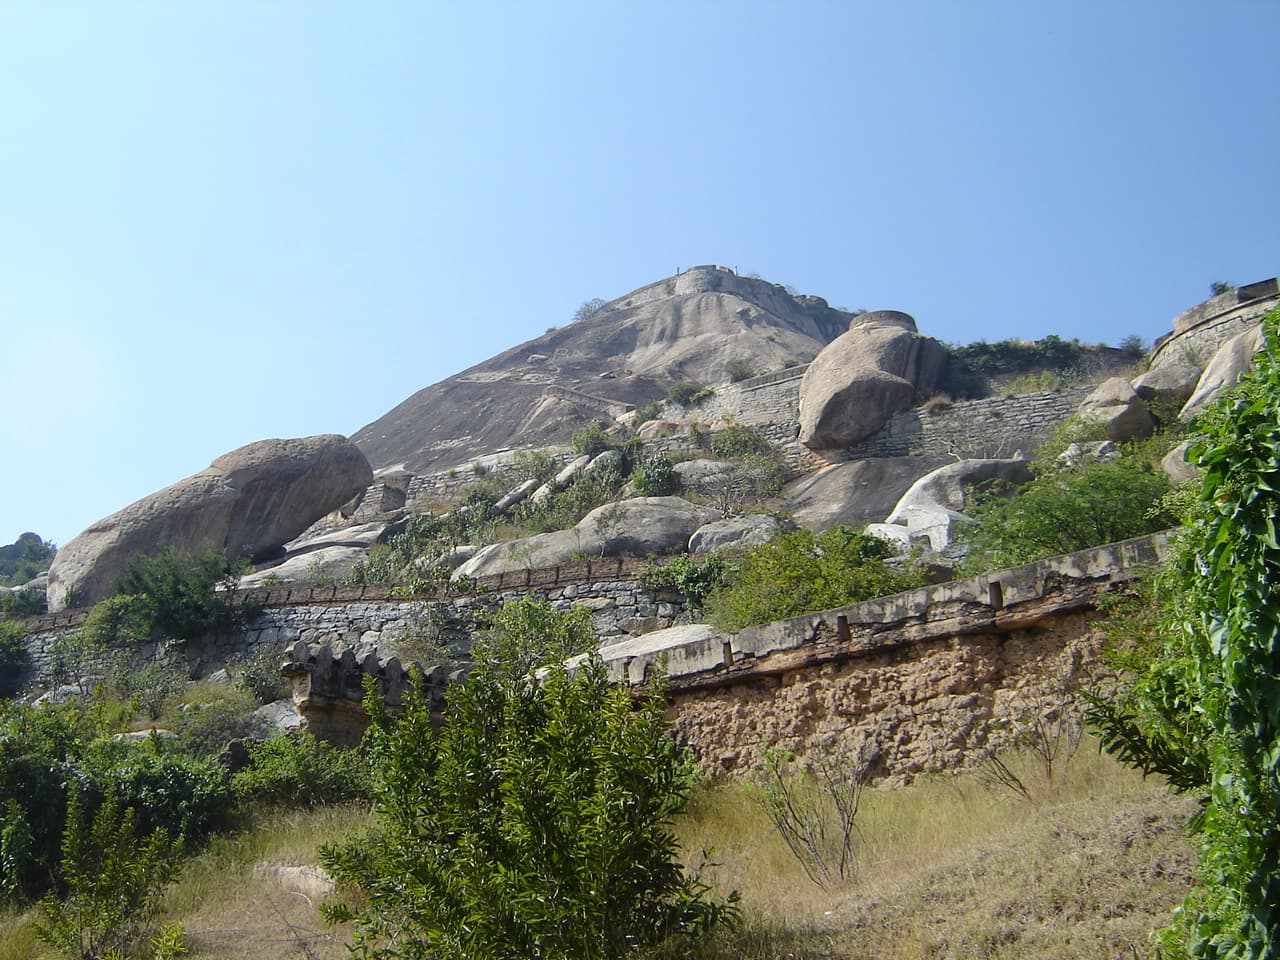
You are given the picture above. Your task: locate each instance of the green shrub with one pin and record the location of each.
(591, 441)
(47, 751)
(739, 441)
(150, 686)
(656, 477)
(562, 510)
(535, 824)
(26, 602)
(535, 465)
(13, 657)
(800, 572)
(650, 411)
(113, 882)
(259, 674)
(1065, 509)
(301, 771)
(205, 729)
(25, 559)
(740, 370)
(688, 576)
(175, 595)
(687, 394)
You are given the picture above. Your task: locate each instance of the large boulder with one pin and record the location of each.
(857, 492)
(636, 527)
(1232, 361)
(1175, 465)
(328, 555)
(880, 366)
(1116, 407)
(949, 486)
(931, 509)
(248, 502)
(736, 533)
(1167, 384)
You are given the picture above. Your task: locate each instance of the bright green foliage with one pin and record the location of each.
(687, 394)
(535, 824)
(739, 441)
(694, 579)
(656, 476)
(44, 752)
(113, 882)
(527, 632)
(24, 559)
(591, 441)
(27, 602)
(301, 771)
(1064, 509)
(1232, 571)
(13, 657)
(205, 729)
(175, 595)
(802, 572)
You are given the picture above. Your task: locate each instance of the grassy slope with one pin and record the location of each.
(949, 867)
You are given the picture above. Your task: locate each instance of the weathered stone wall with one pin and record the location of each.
(371, 618)
(991, 427)
(925, 680)
(1199, 332)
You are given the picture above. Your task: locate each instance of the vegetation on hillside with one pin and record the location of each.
(24, 559)
(975, 366)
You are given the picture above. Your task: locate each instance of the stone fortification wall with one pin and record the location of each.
(1199, 332)
(372, 617)
(991, 427)
(927, 680)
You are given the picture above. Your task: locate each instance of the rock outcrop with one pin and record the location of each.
(630, 527)
(857, 492)
(736, 533)
(1116, 407)
(690, 327)
(1232, 361)
(880, 366)
(248, 502)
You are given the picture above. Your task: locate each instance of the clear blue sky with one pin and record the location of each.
(226, 221)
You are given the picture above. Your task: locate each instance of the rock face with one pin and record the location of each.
(1169, 383)
(931, 508)
(880, 366)
(636, 527)
(736, 533)
(688, 327)
(330, 554)
(1232, 361)
(1118, 409)
(857, 492)
(250, 501)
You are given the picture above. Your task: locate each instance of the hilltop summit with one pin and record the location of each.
(695, 326)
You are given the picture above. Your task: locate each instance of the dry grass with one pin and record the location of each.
(950, 867)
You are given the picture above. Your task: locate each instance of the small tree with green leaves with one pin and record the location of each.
(800, 572)
(535, 824)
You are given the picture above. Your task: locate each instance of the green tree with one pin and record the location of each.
(174, 595)
(535, 824)
(1064, 509)
(1208, 710)
(800, 572)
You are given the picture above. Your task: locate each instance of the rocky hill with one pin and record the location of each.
(697, 326)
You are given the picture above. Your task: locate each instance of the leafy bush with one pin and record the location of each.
(693, 579)
(591, 441)
(562, 510)
(301, 771)
(536, 823)
(739, 441)
(113, 882)
(149, 686)
(800, 572)
(740, 370)
(26, 602)
(687, 394)
(656, 477)
(1211, 698)
(650, 411)
(425, 539)
(46, 752)
(259, 674)
(13, 657)
(205, 729)
(1064, 509)
(24, 559)
(525, 632)
(535, 464)
(176, 594)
